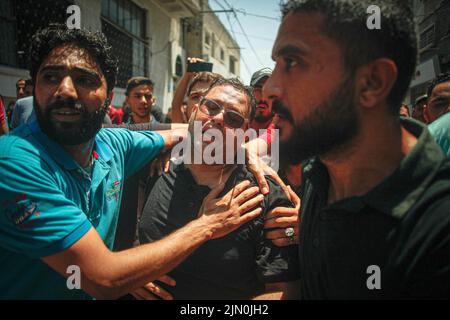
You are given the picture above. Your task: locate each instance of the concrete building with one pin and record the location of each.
(433, 27)
(209, 39)
(150, 37)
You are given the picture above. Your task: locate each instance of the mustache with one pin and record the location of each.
(279, 108)
(262, 102)
(66, 103)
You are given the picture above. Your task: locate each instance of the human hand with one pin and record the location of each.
(160, 164)
(152, 291)
(282, 218)
(226, 214)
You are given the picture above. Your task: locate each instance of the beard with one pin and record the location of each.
(329, 127)
(263, 117)
(70, 133)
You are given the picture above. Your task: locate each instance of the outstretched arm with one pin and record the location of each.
(109, 275)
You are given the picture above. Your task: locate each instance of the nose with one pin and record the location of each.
(218, 118)
(272, 88)
(66, 89)
(143, 100)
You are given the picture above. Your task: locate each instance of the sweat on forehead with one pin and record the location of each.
(95, 44)
(70, 55)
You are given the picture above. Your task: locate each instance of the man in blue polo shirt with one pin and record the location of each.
(437, 111)
(62, 182)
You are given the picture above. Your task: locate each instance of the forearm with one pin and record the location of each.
(177, 102)
(133, 268)
(110, 275)
(173, 137)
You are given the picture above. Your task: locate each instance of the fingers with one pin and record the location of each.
(236, 190)
(166, 166)
(294, 198)
(249, 216)
(250, 204)
(214, 193)
(284, 242)
(281, 222)
(158, 291)
(247, 194)
(274, 175)
(282, 212)
(142, 294)
(279, 233)
(279, 238)
(260, 178)
(167, 280)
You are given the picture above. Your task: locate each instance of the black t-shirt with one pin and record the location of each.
(393, 242)
(233, 267)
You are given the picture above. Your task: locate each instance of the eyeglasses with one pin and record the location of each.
(231, 118)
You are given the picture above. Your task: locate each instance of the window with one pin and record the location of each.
(427, 37)
(213, 46)
(232, 65)
(222, 54)
(19, 20)
(208, 38)
(123, 23)
(8, 35)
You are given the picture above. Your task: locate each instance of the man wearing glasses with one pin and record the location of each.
(244, 264)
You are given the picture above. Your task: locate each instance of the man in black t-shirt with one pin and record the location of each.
(375, 220)
(244, 264)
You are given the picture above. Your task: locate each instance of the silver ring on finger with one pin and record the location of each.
(289, 232)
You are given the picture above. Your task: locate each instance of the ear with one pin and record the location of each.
(154, 99)
(426, 113)
(374, 82)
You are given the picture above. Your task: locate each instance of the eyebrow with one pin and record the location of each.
(60, 67)
(440, 99)
(291, 50)
(226, 105)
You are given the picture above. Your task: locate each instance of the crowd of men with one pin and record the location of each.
(361, 184)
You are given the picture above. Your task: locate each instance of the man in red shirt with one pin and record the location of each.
(3, 123)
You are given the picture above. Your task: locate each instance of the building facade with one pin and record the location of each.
(433, 27)
(151, 38)
(208, 38)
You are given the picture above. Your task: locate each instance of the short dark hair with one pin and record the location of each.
(203, 77)
(443, 77)
(56, 35)
(138, 81)
(237, 84)
(345, 21)
(29, 82)
(24, 80)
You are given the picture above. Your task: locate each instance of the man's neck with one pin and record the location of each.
(137, 119)
(373, 155)
(210, 175)
(81, 153)
(256, 125)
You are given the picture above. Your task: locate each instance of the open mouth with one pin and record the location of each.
(262, 106)
(66, 114)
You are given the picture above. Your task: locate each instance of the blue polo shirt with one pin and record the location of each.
(48, 202)
(440, 130)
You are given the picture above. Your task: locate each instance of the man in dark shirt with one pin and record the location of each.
(375, 220)
(243, 264)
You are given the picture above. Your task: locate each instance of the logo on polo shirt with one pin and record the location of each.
(114, 191)
(20, 210)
